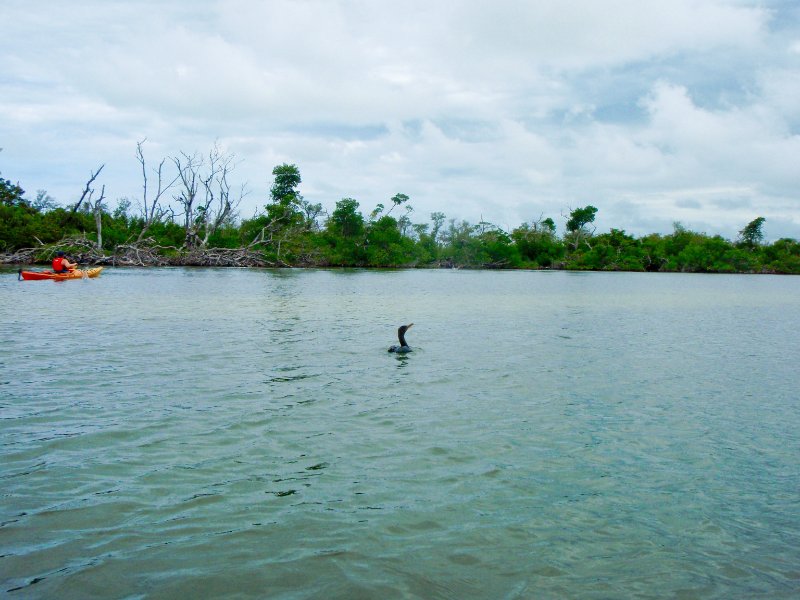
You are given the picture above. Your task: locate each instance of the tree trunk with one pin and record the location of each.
(98, 217)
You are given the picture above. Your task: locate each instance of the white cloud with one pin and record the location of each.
(652, 111)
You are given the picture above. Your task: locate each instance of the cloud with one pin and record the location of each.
(651, 111)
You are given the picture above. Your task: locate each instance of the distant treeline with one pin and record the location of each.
(188, 215)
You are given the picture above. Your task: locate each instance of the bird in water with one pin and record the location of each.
(403, 347)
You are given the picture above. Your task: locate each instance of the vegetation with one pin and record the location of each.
(187, 215)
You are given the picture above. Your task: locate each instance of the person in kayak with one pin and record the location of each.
(61, 264)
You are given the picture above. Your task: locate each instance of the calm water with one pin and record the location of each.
(170, 433)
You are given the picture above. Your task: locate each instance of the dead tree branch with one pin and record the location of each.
(87, 191)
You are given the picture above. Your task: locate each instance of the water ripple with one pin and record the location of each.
(245, 433)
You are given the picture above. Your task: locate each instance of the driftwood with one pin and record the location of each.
(78, 249)
(222, 257)
(24, 256)
(145, 253)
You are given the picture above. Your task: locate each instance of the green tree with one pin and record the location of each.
(752, 235)
(44, 201)
(437, 218)
(397, 200)
(11, 194)
(578, 225)
(782, 256)
(612, 251)
(704, 254)
(344, 234)
(580, 218)
(346, 220)
(386, 246)
(284, 188)
(285, 229)
(497, 249)
(461, 245)
(537, 243)
(654, 252)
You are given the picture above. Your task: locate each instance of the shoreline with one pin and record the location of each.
(85, 253)
(12, 266)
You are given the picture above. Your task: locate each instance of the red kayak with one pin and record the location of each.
(76, 274)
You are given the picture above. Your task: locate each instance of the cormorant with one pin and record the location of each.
(403, 347)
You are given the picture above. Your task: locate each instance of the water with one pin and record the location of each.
(171, 433)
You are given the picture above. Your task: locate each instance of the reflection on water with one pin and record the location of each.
(212, 432)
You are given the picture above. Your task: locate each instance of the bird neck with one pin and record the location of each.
(402, 338)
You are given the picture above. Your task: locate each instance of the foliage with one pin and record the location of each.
(752, 235)
(783, 256)
(284, 189)
(577, 226)
(345, 234)
(613, 251)
(580, 218)
(11, 194)
(385, 245)
(289, 232)
(537, 243)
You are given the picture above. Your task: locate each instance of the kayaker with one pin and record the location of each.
(61, 264)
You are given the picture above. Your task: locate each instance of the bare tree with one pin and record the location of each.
(220, 206)
(206, 195)
(97, 209)
(152, 209)
(189, 174)
(87, 191)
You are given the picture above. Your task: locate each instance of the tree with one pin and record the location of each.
(10, 193)
(220, 206)
(580, 218)
(18, 220)
(44, 201)
(497, 248)
(345, 220)
(397, 200)
(385, 244)
(312, 213)
(612, 251)
(782, 256)
(87, 190)
(462, 246)
(284, 188)
(206, 194)
(284, 216)
(577, 225)
(96, 207)
(188, 169)
(152, 209)
(437, 218)
(537, 242)
(404, 222)
(121, 212)
(752, 236)
(345, 233)
(288, 219)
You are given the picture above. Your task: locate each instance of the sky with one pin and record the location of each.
(505, 111)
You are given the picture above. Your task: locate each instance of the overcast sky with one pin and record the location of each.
(652, 111)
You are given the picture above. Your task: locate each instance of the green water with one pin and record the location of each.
(178, 433)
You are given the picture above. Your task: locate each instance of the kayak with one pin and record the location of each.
(76, 274)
